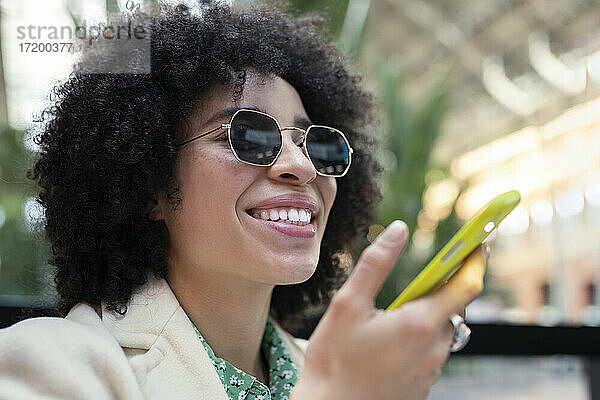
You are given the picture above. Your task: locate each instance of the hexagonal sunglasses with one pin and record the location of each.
(255, 138)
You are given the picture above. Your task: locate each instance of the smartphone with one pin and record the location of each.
(450, 258)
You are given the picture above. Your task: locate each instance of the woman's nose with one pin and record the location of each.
(292, 165)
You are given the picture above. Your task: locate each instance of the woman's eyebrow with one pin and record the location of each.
(300, 122)
(227, 112)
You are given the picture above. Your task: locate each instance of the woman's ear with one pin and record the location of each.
(154, 210)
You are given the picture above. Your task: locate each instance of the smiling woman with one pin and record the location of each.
(196, 211)
(225, 280)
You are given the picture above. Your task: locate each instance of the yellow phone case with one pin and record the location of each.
(449, 259)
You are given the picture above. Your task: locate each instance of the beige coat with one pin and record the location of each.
(151, 352)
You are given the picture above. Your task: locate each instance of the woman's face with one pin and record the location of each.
(212, 229)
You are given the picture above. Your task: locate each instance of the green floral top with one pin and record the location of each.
(240, 385)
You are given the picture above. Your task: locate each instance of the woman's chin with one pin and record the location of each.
(296, 273)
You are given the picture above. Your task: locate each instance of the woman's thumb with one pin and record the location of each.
(377, 260)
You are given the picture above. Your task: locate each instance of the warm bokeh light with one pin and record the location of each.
(542, 212)
(496, 152)
(569, 204)
(592, 194)
(439, 197)
(427, 222)
(516, 222)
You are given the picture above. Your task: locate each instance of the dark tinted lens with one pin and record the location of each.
(255, 137)
(328, 150)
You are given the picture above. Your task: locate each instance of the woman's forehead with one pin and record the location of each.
(272, 95)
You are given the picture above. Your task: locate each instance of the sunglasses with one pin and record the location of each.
(255, 138)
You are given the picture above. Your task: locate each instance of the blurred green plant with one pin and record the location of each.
(346, 20)
(409, 133)
(22, 255)
(333, 10)
(23, 252)
(112, 6)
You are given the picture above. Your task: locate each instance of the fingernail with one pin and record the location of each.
(396, 229)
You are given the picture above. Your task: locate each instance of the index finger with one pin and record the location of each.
(464, 286)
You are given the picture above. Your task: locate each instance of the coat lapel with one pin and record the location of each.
(155, 321)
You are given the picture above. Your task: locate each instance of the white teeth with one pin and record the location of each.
(302, 216)
(282, 214)
(293, 215)
(274, 215)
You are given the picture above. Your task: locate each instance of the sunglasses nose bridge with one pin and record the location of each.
(293, 128)
(298, 140)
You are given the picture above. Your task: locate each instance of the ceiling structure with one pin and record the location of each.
(514, 63)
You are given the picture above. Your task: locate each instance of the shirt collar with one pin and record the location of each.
(283, 373)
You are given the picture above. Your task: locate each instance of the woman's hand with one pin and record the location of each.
(358, 352)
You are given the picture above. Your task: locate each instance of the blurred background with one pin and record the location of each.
(477, 97)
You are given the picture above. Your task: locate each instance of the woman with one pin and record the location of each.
(192, 218)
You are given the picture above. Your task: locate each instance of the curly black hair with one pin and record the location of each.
(108, 146)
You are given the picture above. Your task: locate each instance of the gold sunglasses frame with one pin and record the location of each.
(287, 128)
